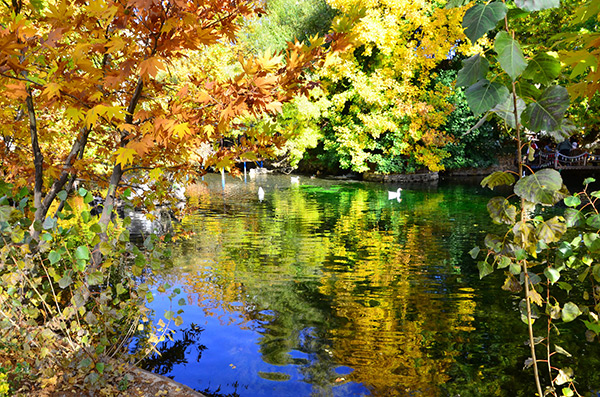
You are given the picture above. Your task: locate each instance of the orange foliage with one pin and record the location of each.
(87, 84)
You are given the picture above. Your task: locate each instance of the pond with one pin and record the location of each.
(328, 288)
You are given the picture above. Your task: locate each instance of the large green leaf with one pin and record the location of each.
(525, 89)
(546, 114)
(551, 230)
(543, 68)
(552, 274)
(506, 110)
(82, 252)
(593, 221)
(481, 18)
(516, 13)
(501, 211)
(563, 131)
(510, 55)
(484, 269)
(592, 242)
(573, 217)
(473, 70)
(493, 242)
(592, 326)
(484, 95)
(6, 212)
(525, 236)
(572, 201)
(570, 312)
(537, 5)
(543, 187)
(498, 178)
(586, 11)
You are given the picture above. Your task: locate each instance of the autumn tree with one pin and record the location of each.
(86, 94)
(93, 93)
(378, 108)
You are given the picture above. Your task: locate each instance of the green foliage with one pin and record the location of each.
(484, 95)
(510, 56)
(546, 113)
(482, 18)
(468, 148)
(287, 21)
(541, 112)
(540, 251)
(538, 248)
(544, 187)
(69, 318)
(474, 69)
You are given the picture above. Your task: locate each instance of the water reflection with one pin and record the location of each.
(327, 288)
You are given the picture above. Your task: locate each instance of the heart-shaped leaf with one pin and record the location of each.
(572, 201)
(543, 68)
(525, 89)
(510, 55)
(551, 230)
(498, 178)
(473, 70)
(573, 217)
(484, 269)
(506, 110)
(501, 211)
(484, 95)
(543, 187)
(481, 18)
(570, 312)
(552, 274)
(547, 113)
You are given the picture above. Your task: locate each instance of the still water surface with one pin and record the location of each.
(327, 288)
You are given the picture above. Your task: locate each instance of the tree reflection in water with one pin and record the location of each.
(340, 293)
(184, 345)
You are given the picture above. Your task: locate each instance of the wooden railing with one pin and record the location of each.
(557, 160)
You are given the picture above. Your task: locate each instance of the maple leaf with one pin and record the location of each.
(95, 96)
(115, 44)
(275, 107)
(115, 112)
(52, 90)
(206, 36)
(209, 130)
(203, 97)
(269, 63)
(141, 147)
(181, 129)
(53, 37)
(74, 114)
(125, 156)
(16, 90)
(155, 174)
(151, 66)
(53, 171)
(92, 116)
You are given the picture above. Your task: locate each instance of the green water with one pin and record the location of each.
(327, 288)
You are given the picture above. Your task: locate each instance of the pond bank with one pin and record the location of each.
(142, 384)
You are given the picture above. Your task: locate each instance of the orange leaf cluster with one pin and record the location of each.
(94, 78)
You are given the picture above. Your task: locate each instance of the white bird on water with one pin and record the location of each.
(295, 180)
(395, 195)
(261, 194)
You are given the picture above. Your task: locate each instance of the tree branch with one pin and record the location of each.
(38, 158)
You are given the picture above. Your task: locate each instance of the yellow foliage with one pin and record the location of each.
(387, 78)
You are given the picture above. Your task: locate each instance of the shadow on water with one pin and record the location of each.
(327, 288)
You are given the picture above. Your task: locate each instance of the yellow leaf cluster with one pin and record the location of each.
(387, 78)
